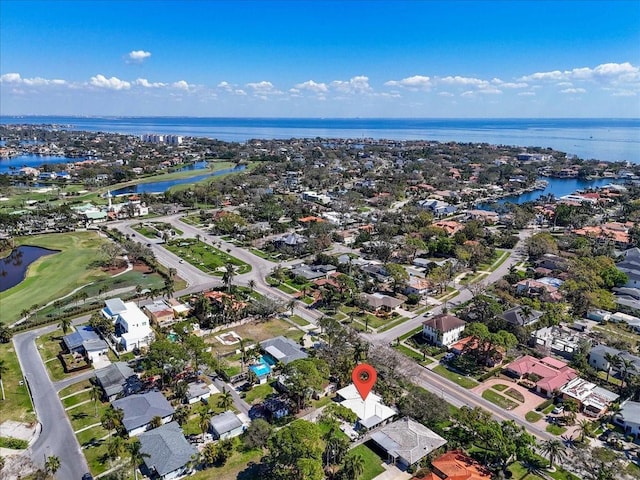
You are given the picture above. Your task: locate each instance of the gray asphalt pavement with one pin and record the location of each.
(56, 437)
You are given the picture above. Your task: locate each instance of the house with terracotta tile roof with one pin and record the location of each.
(450, 226)
(456, 465)
(547, 373)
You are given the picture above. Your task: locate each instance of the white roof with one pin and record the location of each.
(370, 412)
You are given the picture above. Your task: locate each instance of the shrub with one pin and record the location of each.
(13, 443)
(545, 404)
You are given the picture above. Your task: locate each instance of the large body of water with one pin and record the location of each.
(35, 161)
(13, 268)
(602, 139)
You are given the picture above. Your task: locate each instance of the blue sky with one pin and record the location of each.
(321, 58)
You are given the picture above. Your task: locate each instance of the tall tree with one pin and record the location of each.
(65, 324)
(227, 276)
(554, 449)
(136, 455)
(226, 399)
(96, 394)
(353, 466)
(295, 452)
(115, 448)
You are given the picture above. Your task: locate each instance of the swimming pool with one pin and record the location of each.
(261, 369)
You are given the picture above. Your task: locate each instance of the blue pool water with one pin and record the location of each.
(261, 369)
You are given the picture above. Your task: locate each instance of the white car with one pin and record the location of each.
(559, 409)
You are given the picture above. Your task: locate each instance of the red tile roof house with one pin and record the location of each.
(549, 374)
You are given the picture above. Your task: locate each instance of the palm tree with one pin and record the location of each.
(115, 448)
(226, 400)
(584, 427)
(203, 421)
(137, 456)
(169, 287)
(181, 415)
(228, 275)
(353, 466)
(554, 449)
(252, 284)
(291, 305)
(4, 368)
(96, 394)
(111, 418)
(52, 464)
(155, 422)
(626, 366)
(65, 324)
(611, 362)
(172, 272)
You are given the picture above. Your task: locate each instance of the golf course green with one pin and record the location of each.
(53, 276)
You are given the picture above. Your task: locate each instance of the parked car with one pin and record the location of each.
(559, 409)
(87, 476)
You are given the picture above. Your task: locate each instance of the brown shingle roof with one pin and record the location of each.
(444, 323)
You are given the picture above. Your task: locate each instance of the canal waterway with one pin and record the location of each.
(159, 187)
(13, 268)
(558, 187)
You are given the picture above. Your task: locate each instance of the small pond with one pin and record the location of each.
(13, 268)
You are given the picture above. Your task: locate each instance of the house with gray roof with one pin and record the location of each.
(118, 379)
(87, 343)
(598, 358)
(629, 418)
(113, 307)
(166, 453)
(517, 316)
(140, 409)
(226, 425)
(283, 349)
(407, 441)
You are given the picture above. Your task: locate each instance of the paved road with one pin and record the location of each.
(57, 437)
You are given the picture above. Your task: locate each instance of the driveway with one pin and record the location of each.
(531, 400)
(56, 436)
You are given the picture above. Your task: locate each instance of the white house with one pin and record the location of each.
(371, 412)
(132, 325)
(443, 330)
(226, 425)
(629, 418)
(437, 207)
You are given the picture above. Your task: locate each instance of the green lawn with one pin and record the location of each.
(76, 399)
(515, 394)
(205, 257)
(417, 356)
(556, 429)
(258, 393)
(500, 387)
(532, 416)
(372, 462)
(498, 399)
(54, 276)
(461, 380)
(17, 404)
(76, 387)
(239, 465)
(298, 320)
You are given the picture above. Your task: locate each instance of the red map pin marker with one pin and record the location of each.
(364, 377)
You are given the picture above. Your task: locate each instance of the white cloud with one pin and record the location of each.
(446, 94)
(527, 94)
(358, 84)
(573, 90)
(263, 89)
(606, 71)
(143, 82)
(500, 83)
(225, 86)
(11, 78)
(181, 85)
(464, 81)
(16, 78)
(138, 55)
(311, 86)
(112, 83)
(416, 82)
(624, 93)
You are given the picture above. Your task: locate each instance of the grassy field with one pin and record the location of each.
(55, 275)
(239, 466)
(556, 429)
(258, 393)
(205, 257)
(461, 380)
(256, 332)
(17, 404)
